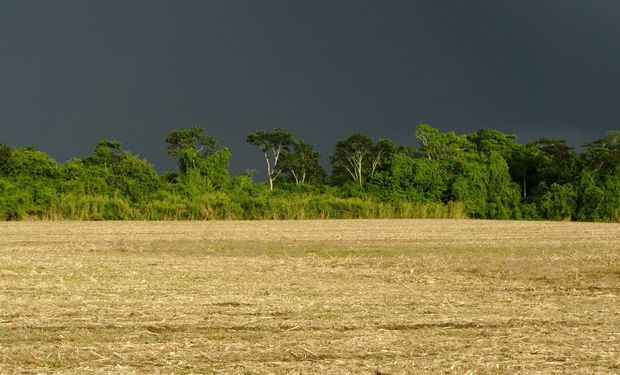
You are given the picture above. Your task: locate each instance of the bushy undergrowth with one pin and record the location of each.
(223, 206)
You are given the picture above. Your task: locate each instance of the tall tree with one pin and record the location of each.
(603, 155)
(188, 145)
(29, 163)
(110, 171)
(436, 145)
(503, 193)
(302, 163)
(272, 144)
(488, 141)
(350, 156)
(523, 164)
(557, 160)
(5, 159)
(106, 152)
(381, 151)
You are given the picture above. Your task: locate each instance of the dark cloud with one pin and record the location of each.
(73, 72)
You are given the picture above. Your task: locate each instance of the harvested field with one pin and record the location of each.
(310, 297)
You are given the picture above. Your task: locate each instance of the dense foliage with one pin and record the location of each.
(486, 174)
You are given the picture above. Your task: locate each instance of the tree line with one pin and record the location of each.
(485, 174)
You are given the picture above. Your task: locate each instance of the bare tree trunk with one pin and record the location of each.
(294, 176)
(269, 171)
(375, 163)
(355, 162)
(360, 158)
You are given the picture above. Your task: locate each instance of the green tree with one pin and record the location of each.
(611, 197)
(489, 141)
(30, 184)
(189, 145)
(524, 169)
(107, 152)
(379, 153)
(111, 171)
(603, 155)
(214, 170)
(485, 187)
(302, 163)
(590, 197)
(5, 159)
(471, 187)
(558, 201)
(350, 156)
(445, 149)
(557, 162)
(503, 194)
(411, 178)
(29, 163)
(272, 144)
(436, 145)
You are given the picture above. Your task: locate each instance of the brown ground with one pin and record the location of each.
(357, 297)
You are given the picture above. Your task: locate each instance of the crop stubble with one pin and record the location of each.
(368, 296)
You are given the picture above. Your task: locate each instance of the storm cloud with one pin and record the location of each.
(73, 72)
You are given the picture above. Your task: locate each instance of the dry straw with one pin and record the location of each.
(312, 297)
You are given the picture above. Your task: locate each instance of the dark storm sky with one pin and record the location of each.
(76, 71)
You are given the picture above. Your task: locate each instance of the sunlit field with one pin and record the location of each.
(310, 297)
